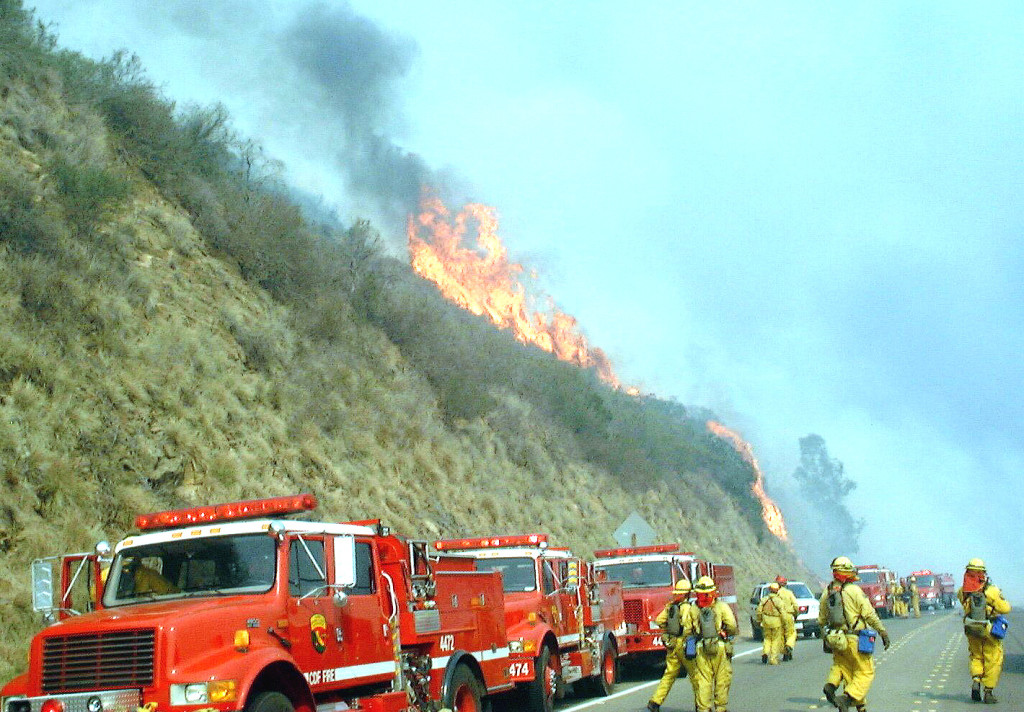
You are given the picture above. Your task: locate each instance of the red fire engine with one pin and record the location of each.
(929, 589)
(648, 574)
(876, 581)
(232, 607)
(563, 625)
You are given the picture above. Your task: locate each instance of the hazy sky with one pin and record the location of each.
(803, 215)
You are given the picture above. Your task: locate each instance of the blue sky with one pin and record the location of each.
(803, 215)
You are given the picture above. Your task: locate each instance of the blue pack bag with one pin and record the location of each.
(691, 647)
(1000, 625)
(866, 640)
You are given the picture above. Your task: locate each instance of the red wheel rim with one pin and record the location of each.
(464, 700)
(608, 669)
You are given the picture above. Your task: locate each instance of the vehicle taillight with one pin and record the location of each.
(803, 609)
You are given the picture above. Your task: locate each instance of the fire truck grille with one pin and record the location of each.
(634, 610)
(98, 661)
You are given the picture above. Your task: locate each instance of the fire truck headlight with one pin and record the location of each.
(515, 646)
(199, 693)
(189, 694)
(15, 704)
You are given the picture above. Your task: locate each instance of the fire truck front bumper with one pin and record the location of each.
(93, 701)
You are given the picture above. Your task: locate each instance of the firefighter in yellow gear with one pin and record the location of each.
(915, 597)
(901, 599)
(788, 619)
(671, 620)
(982, 602)
(713, 624)
(769, 614)
(845, 610)
(893, 591)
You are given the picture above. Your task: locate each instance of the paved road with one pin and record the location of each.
(924, 670)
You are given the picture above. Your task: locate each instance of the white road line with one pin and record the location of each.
(602, 700)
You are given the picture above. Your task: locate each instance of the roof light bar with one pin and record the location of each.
(493, 542)
(863, 567)
(922, 572)
(630, 550)
(250, 509)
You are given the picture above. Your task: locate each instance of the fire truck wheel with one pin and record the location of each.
(603, 684)
(270, 702)
(540, 692)
(464, 692)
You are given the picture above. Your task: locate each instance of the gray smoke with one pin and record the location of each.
(352, 68)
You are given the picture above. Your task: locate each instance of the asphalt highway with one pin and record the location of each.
(924, 670)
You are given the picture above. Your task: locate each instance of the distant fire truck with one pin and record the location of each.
(647, 574)
(876, 581)
(947, 584)
(563, 625)
(232, 607)
(929, 589)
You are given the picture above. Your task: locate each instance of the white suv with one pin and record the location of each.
(806, 614)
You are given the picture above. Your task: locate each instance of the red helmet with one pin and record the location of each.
(781, 580)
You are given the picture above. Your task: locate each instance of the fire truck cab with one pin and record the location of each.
(232, 607)
(876, 582)
(647, 575)
(563, 625)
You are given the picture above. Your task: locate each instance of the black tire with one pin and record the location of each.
(270, 702)
(540, 691)
(465, 693)
(603, 683)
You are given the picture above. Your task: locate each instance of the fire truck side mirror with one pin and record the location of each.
(103, 549)
(344, 561)
(42, 587)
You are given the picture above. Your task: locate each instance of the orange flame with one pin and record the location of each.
(770, 511)
(484, 282)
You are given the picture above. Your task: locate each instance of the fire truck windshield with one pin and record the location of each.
(868, 576)
(640, 574)
(517, 574)
(926, 581)
(183, 568)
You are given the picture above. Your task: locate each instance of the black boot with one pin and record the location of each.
(990, 699)
(653, 706)
(844, 702)
(830, 693)
(787, 654)
(976, 690)
(764, 659)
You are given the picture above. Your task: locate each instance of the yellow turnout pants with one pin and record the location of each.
(915, 601)
(854, 668)
(675, 660)
(789, 631)
(986, 659)
(713, 673)
(772, 627)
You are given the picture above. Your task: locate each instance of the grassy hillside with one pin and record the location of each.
(175, 331)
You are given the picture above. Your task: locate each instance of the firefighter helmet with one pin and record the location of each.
(781, 580)
(705, 584)
(682, 586)
(975, 565)
(843, 563)
(774, 587)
